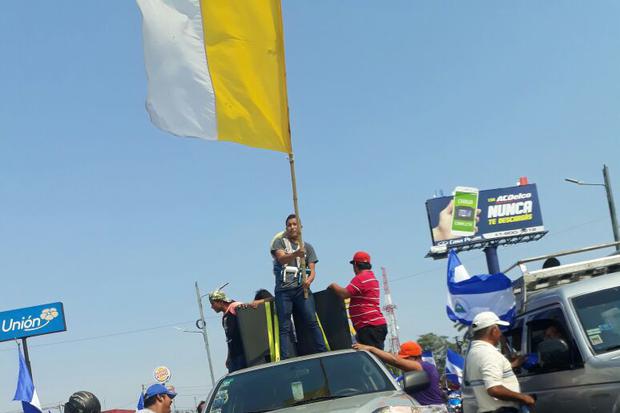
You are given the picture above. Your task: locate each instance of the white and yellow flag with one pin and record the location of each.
(216, 70)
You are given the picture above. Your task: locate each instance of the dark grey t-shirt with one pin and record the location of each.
(279, 245)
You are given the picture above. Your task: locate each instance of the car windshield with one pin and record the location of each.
(599, 314)
(301, 382)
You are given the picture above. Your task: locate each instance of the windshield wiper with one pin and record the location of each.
(318, 399)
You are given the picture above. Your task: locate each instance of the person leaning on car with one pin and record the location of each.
(488, 372)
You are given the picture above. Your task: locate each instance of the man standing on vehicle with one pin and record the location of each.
(364, 308)
(220, 303)
(488, 372)
(289, 290)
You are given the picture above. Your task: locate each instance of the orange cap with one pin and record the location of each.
(410, 349)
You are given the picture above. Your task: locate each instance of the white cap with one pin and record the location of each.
(486, 319)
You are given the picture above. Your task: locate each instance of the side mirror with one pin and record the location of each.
(554, 354)
(414, 381)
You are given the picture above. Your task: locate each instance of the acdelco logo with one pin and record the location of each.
(513, 197)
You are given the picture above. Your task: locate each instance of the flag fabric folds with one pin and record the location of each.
(215, 70)
(454, 367)
(25, 392)
(427, 356)
(140, 405)
(468, 296)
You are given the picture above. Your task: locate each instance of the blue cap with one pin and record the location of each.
(157, 389)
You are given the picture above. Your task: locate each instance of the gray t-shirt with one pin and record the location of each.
(280, 245)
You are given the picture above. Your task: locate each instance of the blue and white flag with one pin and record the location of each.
(454, 367)
(427, 356)
(25, 391)
(140, 405)
(468, 296)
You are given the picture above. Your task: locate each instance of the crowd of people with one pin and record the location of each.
(293, 297)
(490, 374)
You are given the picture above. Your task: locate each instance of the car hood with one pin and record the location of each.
(361, 403)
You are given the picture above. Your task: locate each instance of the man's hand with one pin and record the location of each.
(518, 361)
(443, 231)
(300, 253)
(359, 346)
(529, 400)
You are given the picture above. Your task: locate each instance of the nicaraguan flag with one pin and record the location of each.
(427, 356)
(25, 391)
(140, 402)
(454, 367)
(468, 296)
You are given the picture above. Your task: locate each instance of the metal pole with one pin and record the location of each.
(203, 327)
(291, 160)
(612, 206)
(27, 357)
(492, 260)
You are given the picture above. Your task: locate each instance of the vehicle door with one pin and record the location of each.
(554, 365)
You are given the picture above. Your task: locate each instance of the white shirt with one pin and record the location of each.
(486, 367)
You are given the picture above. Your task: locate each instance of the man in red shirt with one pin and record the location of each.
(364, 308)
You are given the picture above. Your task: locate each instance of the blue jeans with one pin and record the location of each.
(237, 363)
(292, 300)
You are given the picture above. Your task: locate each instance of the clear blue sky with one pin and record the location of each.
(389, 103)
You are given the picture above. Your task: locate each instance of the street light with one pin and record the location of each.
(610, 200)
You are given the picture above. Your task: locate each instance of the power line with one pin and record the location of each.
(120, 333)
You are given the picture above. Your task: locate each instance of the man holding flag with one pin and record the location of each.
(288, 251)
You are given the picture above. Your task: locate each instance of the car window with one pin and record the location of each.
(300, 382)
(599, 315)
(551, 347)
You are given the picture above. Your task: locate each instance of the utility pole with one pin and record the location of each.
(612, 206)
(201, 324)
(389, 308)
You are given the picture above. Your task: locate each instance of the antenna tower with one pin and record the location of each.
(391, 314)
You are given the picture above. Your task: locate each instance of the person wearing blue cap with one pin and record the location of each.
(158, 399)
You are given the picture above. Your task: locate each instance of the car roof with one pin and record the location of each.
(567, 291)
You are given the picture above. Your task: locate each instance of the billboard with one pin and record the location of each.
(502, 214)
(32, 321)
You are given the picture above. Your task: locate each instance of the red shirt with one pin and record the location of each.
(364, 308)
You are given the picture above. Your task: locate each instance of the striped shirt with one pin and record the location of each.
(364, 308)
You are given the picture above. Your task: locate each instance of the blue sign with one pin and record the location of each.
(501, 213)
(32, 321)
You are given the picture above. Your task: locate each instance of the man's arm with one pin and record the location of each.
(389, 358)
(492, 370)
(502, 393)
(340, 291)
(284, 258)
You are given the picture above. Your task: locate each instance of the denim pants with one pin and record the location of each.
(237, 363)
(292, 300)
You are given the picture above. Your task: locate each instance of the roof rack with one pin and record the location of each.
(538, 280)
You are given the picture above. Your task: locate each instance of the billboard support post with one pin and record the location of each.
(27, 357)
(492, 261)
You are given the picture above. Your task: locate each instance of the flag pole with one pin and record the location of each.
(291, 160)
(27, 356)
